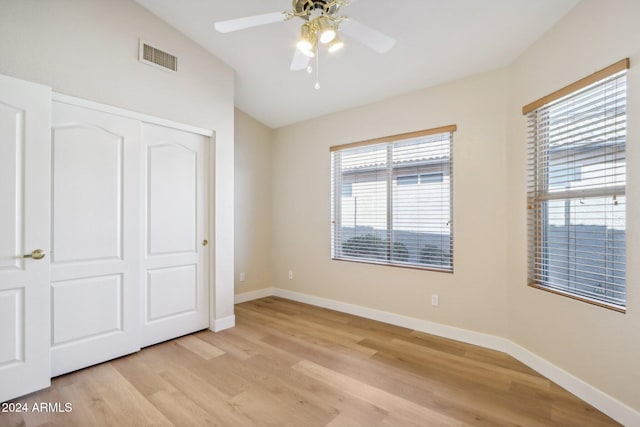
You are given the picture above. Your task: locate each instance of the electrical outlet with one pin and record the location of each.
(435, 300)
(242, 276)
(290, 275)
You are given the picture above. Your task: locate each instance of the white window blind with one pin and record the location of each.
(398, 210)
(576, 195)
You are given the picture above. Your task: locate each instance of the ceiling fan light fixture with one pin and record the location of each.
(321, 23)
(308, 49)
(308, 41)
(336, 44)
(305, 47)
(326, 31)
(310, 53)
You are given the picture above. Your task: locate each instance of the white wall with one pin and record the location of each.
(599, 346)
(89, 49)
(474, 296)
(252, 203)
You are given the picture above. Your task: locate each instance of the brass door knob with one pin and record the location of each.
(205, 242)
(36, 254)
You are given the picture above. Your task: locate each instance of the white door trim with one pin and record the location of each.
(80, 102)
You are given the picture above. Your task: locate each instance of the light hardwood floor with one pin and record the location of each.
(291, 364)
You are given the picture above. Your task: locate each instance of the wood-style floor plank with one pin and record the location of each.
(388, 401)
(292, 364)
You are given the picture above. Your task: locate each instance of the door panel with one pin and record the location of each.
(172, 198)
(95, 270)
(176, 291)
(25, 114)
(11, 186)
(100, 311)
(171, 291)
(88, 179)
(11, 326)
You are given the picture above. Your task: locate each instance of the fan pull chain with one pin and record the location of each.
(317, 86)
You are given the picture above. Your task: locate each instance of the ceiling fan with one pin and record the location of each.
(322, 25)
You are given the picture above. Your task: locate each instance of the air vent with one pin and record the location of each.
(158, 58)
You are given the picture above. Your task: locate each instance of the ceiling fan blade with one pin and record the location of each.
(366, 35)
(248, 22)
(300, 61)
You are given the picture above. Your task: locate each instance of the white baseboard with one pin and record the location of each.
(451, 332)
(250, 296)
(617, 410)
(218, 325)
(595, 397)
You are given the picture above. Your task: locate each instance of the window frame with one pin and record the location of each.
(541, 176)
(336, 199)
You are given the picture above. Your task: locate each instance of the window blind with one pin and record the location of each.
(391, 201)
(576, 193)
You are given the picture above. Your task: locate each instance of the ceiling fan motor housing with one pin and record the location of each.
(304, 8)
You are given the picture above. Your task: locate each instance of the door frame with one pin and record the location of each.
(210, 134)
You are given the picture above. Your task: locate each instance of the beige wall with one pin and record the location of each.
(474, 296)
(89, 49)
(252, 203)
(488, 292)
(599, 346)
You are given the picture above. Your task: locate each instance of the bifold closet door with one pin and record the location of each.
(129, 259)
(96, 219)
(176, 249)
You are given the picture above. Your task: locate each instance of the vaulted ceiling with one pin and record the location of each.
(437, 41)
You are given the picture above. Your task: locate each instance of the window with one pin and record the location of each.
(399, 209)
(431, 178)
(576, 195)
(407, 179)
(425, 178)
(346, 190)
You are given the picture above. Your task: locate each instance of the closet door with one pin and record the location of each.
(95, 257)
(176, 292)
(25, 113)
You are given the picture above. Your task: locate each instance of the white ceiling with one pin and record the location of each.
(437, 41)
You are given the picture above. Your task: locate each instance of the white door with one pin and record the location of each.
(176, 292)
(24, 227)
(95, 256)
